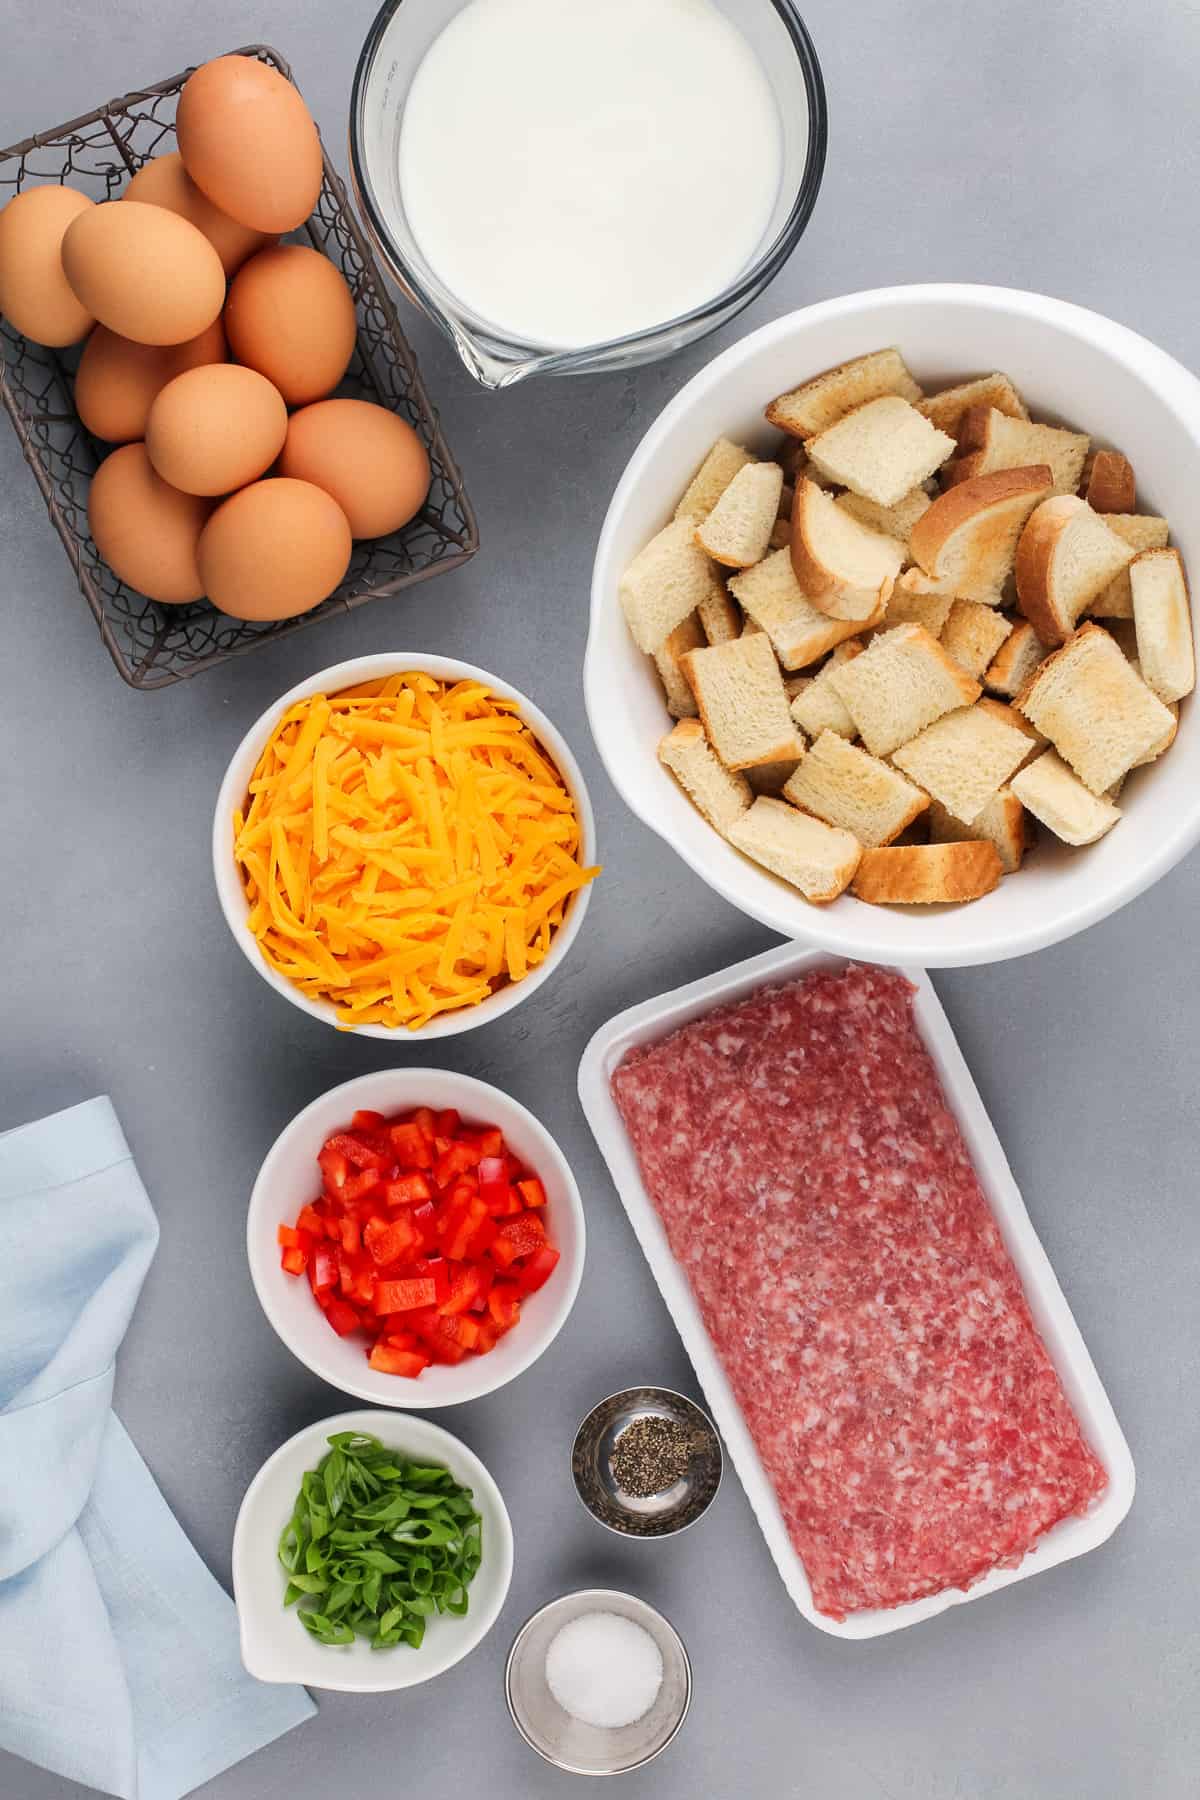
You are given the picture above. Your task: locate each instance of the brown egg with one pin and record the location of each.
(35, 295)
(248, 140)
(215, 428)
(116, 380)
(276, 549)
(147, 532)
(164, 181)
(144, 272)
(372, 462)
(290, 315)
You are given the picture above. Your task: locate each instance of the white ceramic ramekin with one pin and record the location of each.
(275, 1645)
(232, 794)
(290, 1177)
(1072, 366)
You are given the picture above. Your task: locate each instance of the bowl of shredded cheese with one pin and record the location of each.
(404, 843)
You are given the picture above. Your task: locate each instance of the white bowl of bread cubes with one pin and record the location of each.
(890, 634)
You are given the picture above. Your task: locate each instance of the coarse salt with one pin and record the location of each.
(604, 1670)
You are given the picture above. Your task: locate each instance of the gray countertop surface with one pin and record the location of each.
(1043, 146)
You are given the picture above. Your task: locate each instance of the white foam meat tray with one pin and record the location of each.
(654, 1019)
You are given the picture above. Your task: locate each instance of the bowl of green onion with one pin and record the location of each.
(372, 1552)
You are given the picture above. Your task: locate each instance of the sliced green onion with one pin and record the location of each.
(376, 1545)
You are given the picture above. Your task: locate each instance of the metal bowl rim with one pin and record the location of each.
(650, 1537)
(570, 1768)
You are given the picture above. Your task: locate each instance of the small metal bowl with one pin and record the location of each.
(567, 1742)
(654, 1515)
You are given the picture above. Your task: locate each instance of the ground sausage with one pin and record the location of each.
(815, 1186)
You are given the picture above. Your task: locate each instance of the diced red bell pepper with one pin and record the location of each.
(387, 1241)
(443, 1348)
(458, 1159)
(487, 1275)
(412, 1148)
(518, 1237)
(417, 1214)
(405, 1295)
(466, 1285)
(504, 1304)
(342, 1317)
(461, 1329)
(388, 1360)
(460, 1222)
(356, 1278)
(428, 1325)
(483, 1238)
(531, 1191)
(537, 1270)
(494, 1186)
(355, 1151)
(335, 1168)
(323, 1269)
(359, 1187)
(407, 1190)
(488, 1140)
(437, 1269)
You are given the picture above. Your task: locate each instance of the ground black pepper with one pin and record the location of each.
(650, 1455)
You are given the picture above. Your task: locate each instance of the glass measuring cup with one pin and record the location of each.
(401, 34)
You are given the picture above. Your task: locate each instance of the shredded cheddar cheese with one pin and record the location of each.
(406, 848)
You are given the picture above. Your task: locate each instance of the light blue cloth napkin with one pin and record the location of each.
(119, 1659)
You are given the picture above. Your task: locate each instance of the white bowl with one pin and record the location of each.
(276, 1647)
(289, 1178)
(1072, 366)
(231, 893)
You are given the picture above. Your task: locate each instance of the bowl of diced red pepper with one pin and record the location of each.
(416, 1237)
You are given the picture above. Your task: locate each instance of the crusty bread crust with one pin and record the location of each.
(1034, 568)
(1008, 826)
(806, 410)
(1046, 665)
(820, 583)
(1163, 623)
(745, 836)
(681, 702)
(772, 753)
(1109, 484)
(1021, 646)
(1073, 737)
(720, 619)
(946, 409)
(928, 874)
(970, 500)
(960, 468)
(736, 533)
(973, 427)
(718, 794)
(1056, 797)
